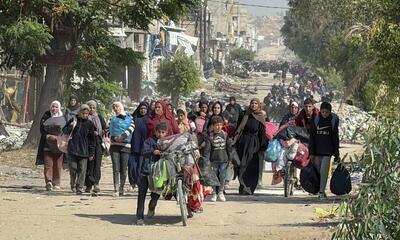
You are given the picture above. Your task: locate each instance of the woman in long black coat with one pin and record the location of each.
(251, 143)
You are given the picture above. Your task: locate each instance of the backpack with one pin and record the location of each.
(333, 120)
(310, 179)
(340, 181)
(301, 160)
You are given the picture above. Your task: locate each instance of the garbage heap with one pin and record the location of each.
(15, 139)
(353, 122)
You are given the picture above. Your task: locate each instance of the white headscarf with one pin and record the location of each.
(121, 106)
(59, 113)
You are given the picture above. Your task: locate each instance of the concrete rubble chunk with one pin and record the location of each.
(15, 140)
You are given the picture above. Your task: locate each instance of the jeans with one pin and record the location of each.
(322, 163)
(143, 187)
(77, 172)
(220, 171)
(52, 167)
(120, 167)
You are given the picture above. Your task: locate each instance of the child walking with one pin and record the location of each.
(324, 143)
(151, 155)
(217, 151)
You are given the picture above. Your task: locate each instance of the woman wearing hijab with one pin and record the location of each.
(72, 108)
(48, 154)
(251, 143)
(121, 129)
(140, 116)
(93, 171)
(161, 114)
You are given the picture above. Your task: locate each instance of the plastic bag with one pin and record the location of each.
(302, 158)
(208, 176)
(270, 130)
(273, 151)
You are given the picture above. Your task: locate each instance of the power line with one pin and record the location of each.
(250, 5)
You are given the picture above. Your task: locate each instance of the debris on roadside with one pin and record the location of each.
(353, 122)
(15, 139)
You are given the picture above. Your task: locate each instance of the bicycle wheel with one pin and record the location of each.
(287, 179)
(291, 179)
(182, 202)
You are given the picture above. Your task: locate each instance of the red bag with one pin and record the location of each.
(270, 130)
(302, 158)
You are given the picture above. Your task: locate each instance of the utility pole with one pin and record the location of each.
(201, 35)
(205, 35)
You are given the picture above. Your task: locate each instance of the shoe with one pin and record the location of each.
(151, 213)
(321, 196)
(221, 197)
(57, 188)
(73, 189)
(214, 197)
(115, 194)
(140, 222)
(131, 188)
(79, 192)
(121, 191)
(96, 189)
(88, 189)
(49, 186)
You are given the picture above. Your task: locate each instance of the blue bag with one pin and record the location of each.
(273, 151)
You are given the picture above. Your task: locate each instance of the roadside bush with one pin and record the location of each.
(242, 55)
(374, 213)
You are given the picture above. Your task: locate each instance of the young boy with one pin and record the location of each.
(81, 148)
(150, 155)
(305, 116)
(324, 143)
(217, 151)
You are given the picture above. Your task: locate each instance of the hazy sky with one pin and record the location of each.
(258, 11)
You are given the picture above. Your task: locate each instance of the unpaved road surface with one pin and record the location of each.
(27, 211)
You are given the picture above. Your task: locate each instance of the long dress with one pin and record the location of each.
(250, 148)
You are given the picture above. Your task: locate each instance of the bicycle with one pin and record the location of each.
(289, 178)
(181, 188)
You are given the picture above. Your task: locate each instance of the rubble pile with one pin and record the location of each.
(15, 140)
(353, 121)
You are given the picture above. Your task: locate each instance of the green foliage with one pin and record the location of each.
(374, 213)
(102, 90)
(360, 40)
(21, 42)
(178, 77)
(29, 29)
(242, 55)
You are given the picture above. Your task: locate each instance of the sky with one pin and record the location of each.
(258, 11)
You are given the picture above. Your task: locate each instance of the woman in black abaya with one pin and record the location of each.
(251, 143)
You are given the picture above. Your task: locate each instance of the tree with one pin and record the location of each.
(58, 33)
(178, 77)
(242, 55)
(358, 40)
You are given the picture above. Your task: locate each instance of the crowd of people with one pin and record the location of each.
(228, 137)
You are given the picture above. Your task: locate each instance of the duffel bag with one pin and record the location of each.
(310, 178)
(340, 181)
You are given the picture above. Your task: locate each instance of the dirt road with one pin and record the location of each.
(27, 211)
